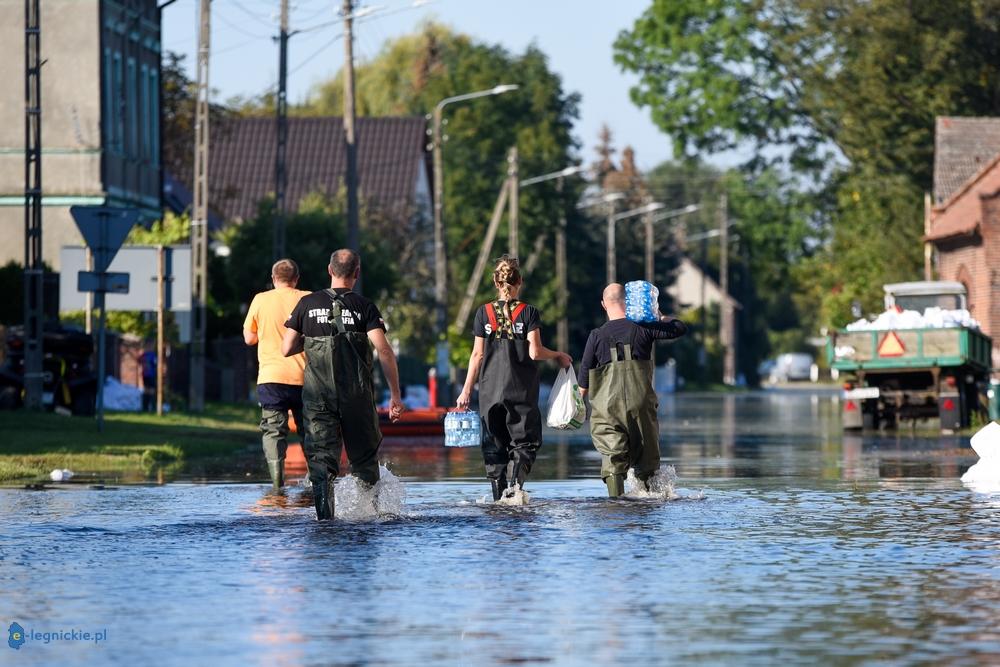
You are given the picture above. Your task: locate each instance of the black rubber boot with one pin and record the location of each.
(644, 480)
(277, 470)
(324, 497)
(498, 485)
(517, 473)
(616, 485)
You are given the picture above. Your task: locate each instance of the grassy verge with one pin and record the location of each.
(132, 444)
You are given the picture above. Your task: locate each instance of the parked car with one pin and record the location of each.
(793, 366)
(69, 381)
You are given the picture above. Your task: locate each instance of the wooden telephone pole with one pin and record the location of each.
(281, 107)
(727, 330)
(350, 143)
(199, 220)
(513, 179)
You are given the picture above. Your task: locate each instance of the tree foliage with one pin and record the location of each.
(415, 72)
(845, 93)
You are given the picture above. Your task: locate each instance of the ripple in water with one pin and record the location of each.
(358, 501)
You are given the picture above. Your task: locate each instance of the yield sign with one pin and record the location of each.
(104, 228)
(891, 346)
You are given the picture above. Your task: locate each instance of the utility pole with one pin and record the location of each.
(703, 350)
(281, 107)
(928, 246)
(33, 267)
(562, 327)
(726, 315)
(647, 223)
(199, 220)
(512, 169)
(350, 145)
(612, 256)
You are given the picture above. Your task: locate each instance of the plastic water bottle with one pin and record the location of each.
(641, 301)
(462, 429)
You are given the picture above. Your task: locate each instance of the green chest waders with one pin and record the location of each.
(623, 417)
(508, 402)
(338, 399)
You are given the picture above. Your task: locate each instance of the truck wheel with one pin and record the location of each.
(869, 419)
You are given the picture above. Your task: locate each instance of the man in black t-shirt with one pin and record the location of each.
(337, 328)
(617, 372)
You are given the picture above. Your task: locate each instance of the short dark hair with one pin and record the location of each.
(285, 270)
(344, 263)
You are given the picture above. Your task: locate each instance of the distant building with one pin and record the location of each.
(394, 170)
(964, 223)
(100, 116)
(691, 284)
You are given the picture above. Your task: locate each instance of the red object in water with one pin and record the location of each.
(849, 406)
(422, 421)
(948, 404)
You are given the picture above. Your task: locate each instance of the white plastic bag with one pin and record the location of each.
(566, 407)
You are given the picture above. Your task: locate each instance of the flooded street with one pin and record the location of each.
(788, 543)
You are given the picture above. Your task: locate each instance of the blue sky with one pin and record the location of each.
(575, 34)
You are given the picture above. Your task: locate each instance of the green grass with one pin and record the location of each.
(132, 444)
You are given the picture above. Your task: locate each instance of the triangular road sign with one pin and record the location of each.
(891, 346)
(104, 228)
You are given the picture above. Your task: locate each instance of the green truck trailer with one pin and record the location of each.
(896, 374)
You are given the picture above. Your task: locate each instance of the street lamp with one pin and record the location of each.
(562, 327)
(612, 259)
(440, 255)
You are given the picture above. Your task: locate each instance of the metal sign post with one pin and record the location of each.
(104, 229)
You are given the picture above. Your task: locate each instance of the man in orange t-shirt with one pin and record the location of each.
(279, 378)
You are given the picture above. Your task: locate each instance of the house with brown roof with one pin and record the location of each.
(394, 169)
(964, 221)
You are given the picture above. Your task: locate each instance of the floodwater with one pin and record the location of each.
(780, 542)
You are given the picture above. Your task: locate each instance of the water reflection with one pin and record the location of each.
(809, 547)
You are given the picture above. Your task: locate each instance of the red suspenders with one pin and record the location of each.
(491, 314)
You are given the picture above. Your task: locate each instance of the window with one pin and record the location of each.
(116, 105)
(145, 114)
(154, 119)
(133, 110)
(107, 111)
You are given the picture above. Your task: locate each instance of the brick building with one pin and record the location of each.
(964, 221)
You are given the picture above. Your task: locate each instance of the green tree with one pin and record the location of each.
(411, 75)
(846, 92)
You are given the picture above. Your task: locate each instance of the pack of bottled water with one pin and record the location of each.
(642, 301)
(462, 429)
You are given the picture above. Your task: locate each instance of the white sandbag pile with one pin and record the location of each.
(932, 318)
(985, 474)
(121, 397)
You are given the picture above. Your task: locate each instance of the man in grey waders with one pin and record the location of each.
(337, 328)
(617, 374)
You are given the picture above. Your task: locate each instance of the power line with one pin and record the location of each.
(255, 17)
(238, 29)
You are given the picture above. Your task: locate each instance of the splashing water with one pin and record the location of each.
(358, 501)
(661, 485)
(514, 497)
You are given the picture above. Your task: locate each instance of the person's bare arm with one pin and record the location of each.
(291, 343)
(539, 352)
(250, 337)
(475, 361)
(387, 358)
